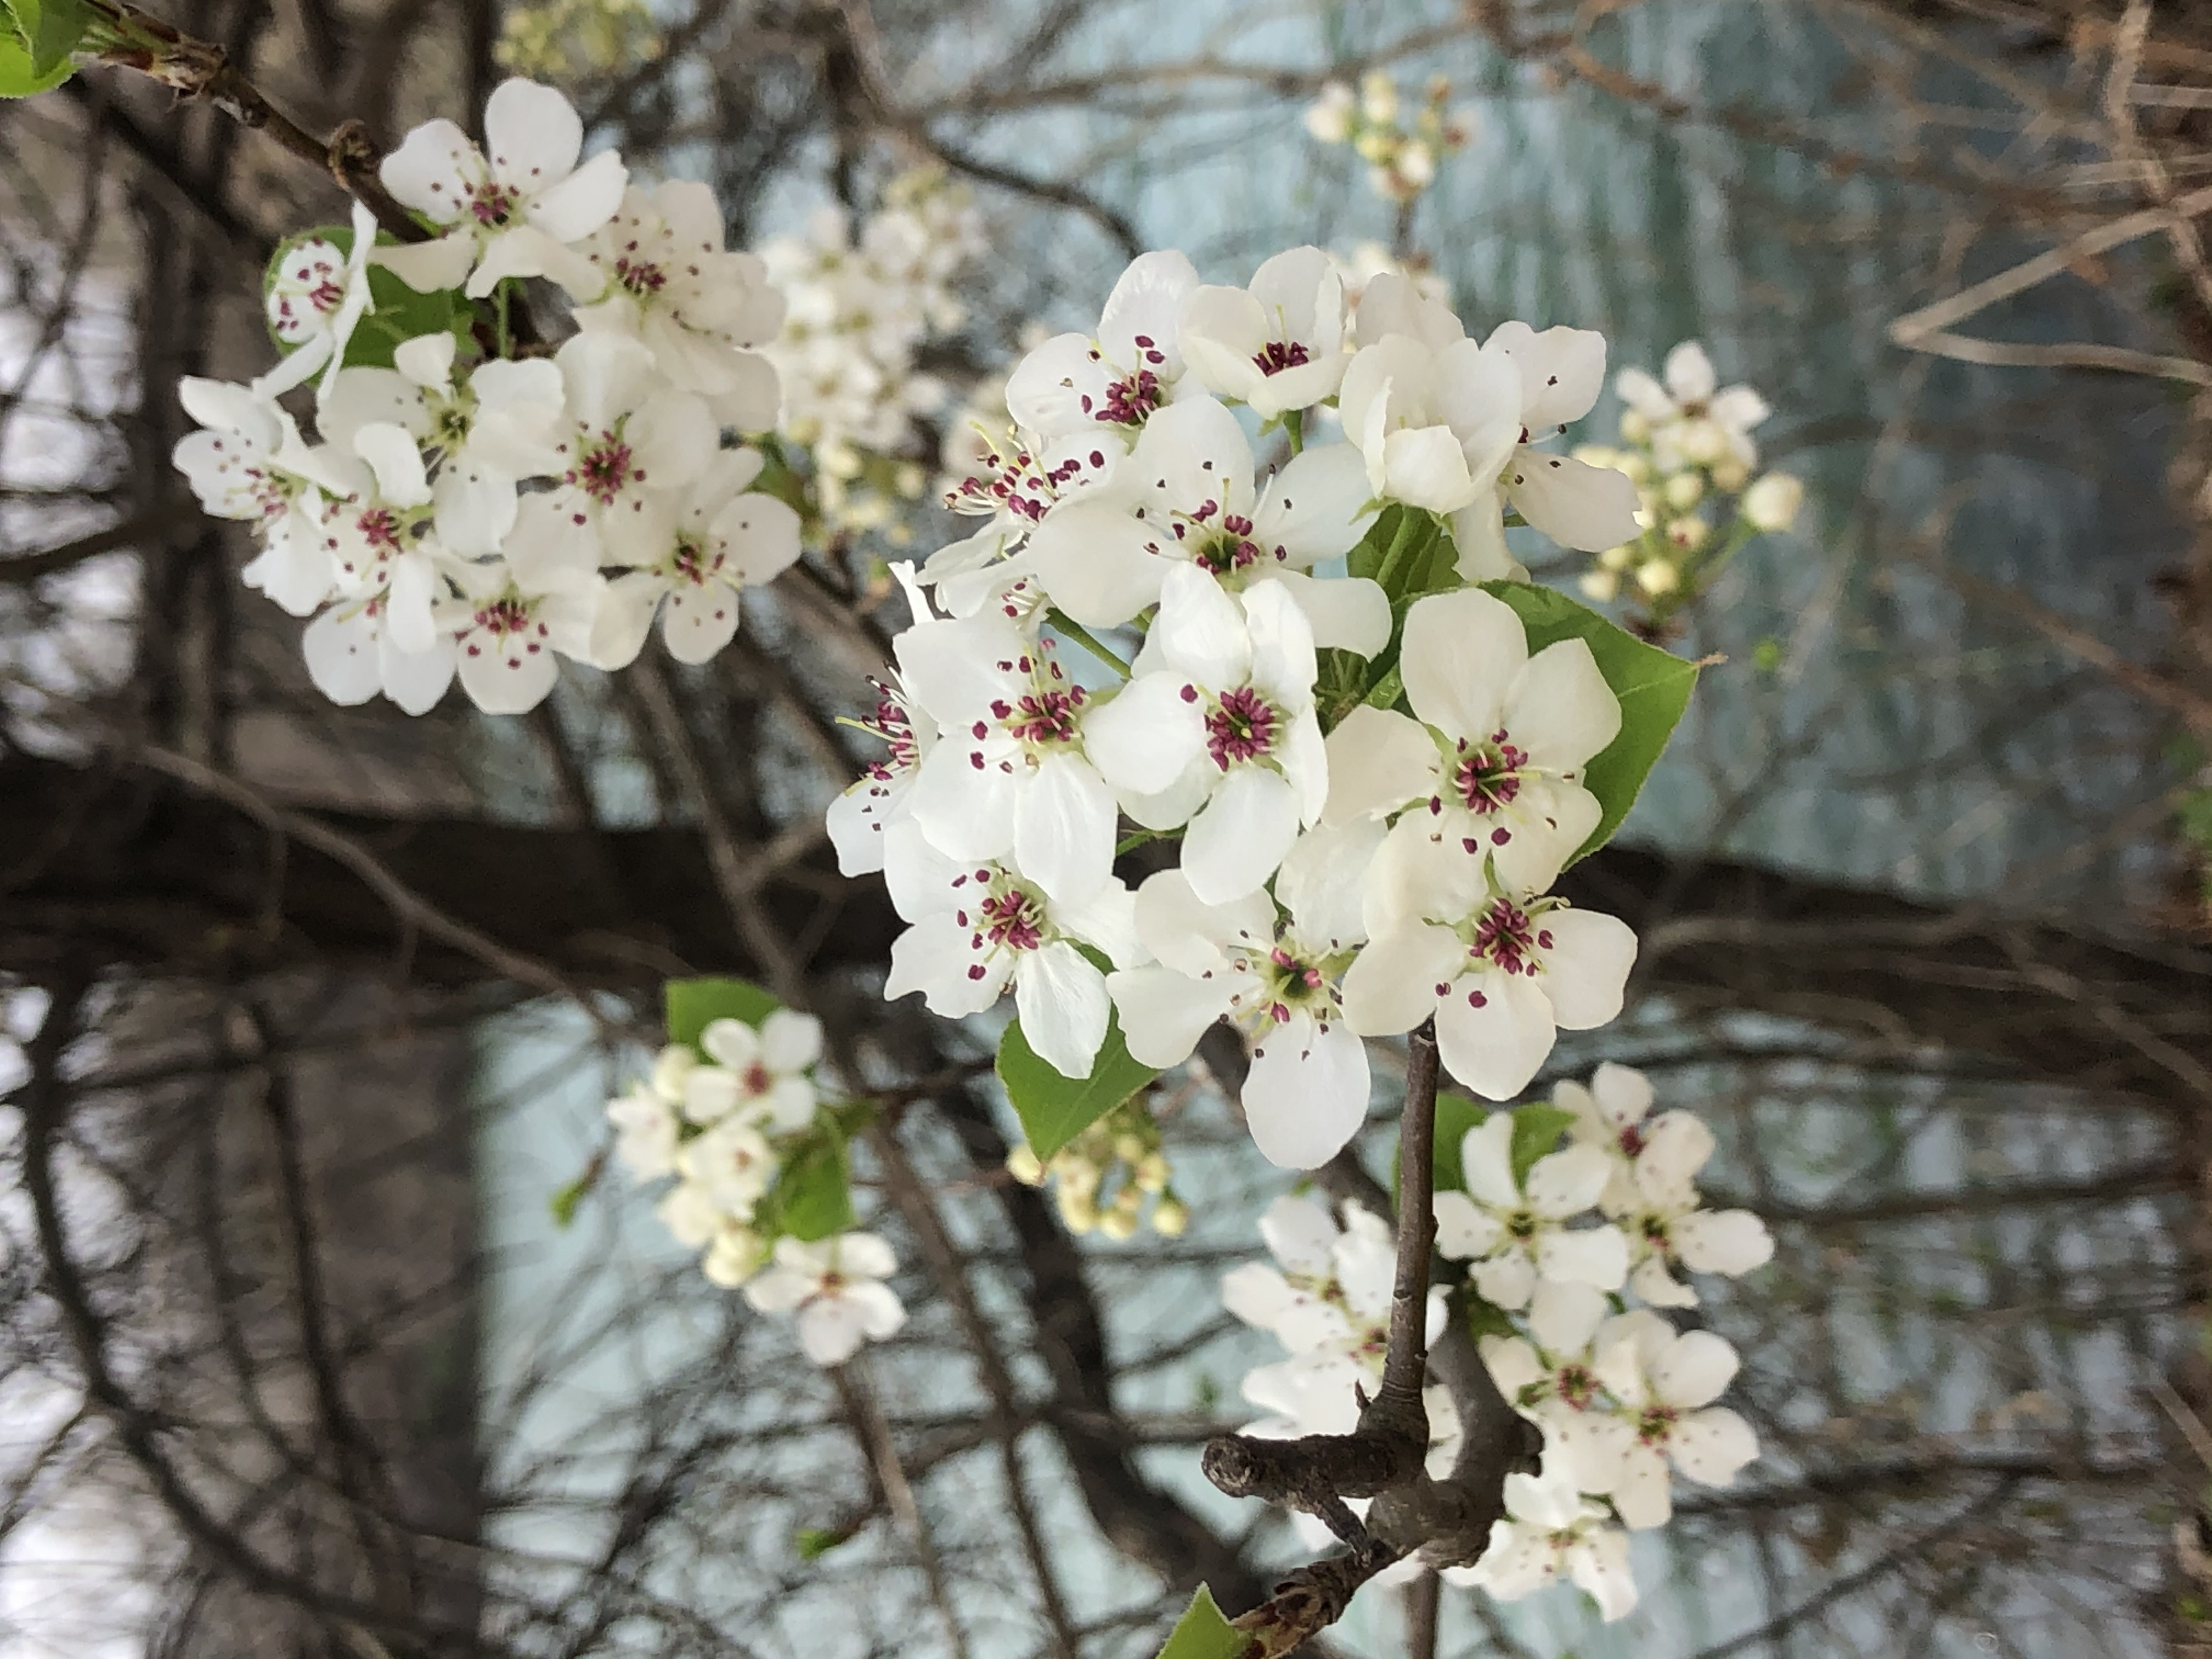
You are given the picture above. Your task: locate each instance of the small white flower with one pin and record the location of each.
(703, 312)
(732, 1163)
(1665, 1382)
(1329, 117)
(1515, 1236)
(836, 1286)
(724, 537)
(249, 462)
(629, 444)
(518, 613)
(1723, 417)
(1185, 495)
(1273, 976)
(513, 214)
(1277, 346)
(981, 926)
(1017, 482)
(1118, 376)
(317, 294)
(645, 1133)
(1774, 501)
(734, 1254)
(759, 1075)
(1548, 1525)
(688, 1211)
(1498, 752)
(884, 792)
(1217, 729)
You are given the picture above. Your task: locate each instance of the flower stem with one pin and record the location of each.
(1401, 545)
(1082, 636)
(1294, 426)
(1405, 1361)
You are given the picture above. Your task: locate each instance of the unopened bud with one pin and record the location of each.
(1023, 1164)
(1169, 1218)
(1128, 1200)
(1376, 147)
(1378, 96)
(1602, 586)
(1683, 491)
(1598, 455)
(1077, 1210)
(1634, 428)
(1152, 1172)
(1329, 118)
(1689, 534)
(1117, 1224)
(1658, 578)
(671, 1067)
(1617, 558)
(1772, 502)
(1704, 442)
(1417, 165)
(1730, 475)
(1637, 467)
(1130, 1146)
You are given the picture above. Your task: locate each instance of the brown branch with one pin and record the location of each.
(152, 526)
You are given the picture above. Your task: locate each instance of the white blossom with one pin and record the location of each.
(317, 294)
(1691, 419)
(836, 1285)
(1119, 376)
(1664, 1382)
(516, 614)
(646, 1132)
(516, 213)
(759, 1075)
(1772, 502)
(1277, 346)
(1515, 1233)
(629, 446)
(979, 926)
(884, 792)
(249, 462)
(1550, 1527)
(1497, 753)
(730, 1162)
(1217, 730)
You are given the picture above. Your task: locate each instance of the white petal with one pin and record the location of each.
(1565, 1184)
(1464, 1233)
(1100, 565)
(830, 1330)
(1162, 1012)
(415, 682)
(1424, 467)
(1378, 760)
(1599, 1566)
(864, 1254)
(1598, 1257)
(1145, 303)
(1696, 1371)
(1676, 1146)
(533, 134)
(1062, 1001)
(1486, 1160)
(579, 205)
(1235, 841)
(1314, 508)
(1586, 967)
(1506, 1281)
(1282, 645)
(1562, 371)
(1478, 531)
(1730, 1242)
(1142, 737)
(1712, 1446)
(1496, 1046)
(1689, 372)
(393, 455)
(779, 1289)
(430, 172)
(1257, 1294)
(880, 1312)
(1561, 710)
(429, 267)
(1200, 631)
(1640, 1490)
(1343, 614)
(1564, 1316)
(1460, 654)
(340, 648)
(1644, 394)
(1320, 878)
(1576, 504)
(1305, 1094)
(1064, 823)
(790, 1041)
(1391, 986)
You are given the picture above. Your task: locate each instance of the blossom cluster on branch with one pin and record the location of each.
(1687, 445)
(1402, 151)
(1368, 780)
(1570, 1251)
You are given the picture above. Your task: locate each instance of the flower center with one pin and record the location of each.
(758, 1080)
(1291, 980)
(1631, 1138)
(1041, 718)
(1657, 1425)
(1130, 399)
(1576, 1387)
(1509, 937)
(689, 562)
(1240, 728)
(1489, 777)
(1232, 550)
(504, 616)
(641, 276)
(1017, 484)
(1277, 355)
(493, 205)
(895, 726)
(1012, 920)
(605, 469)
(380, 528)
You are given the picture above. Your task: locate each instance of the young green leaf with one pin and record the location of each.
(18, 79)
(49, 31)
(1456, 1115)
(693, 1004)
(1537, 1128)
(1203, 1633)
(1653, 685)
(1054, 1110)
(812, 1543)
(812, 1197)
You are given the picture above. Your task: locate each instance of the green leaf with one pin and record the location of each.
(564, 1204)
(1203, 1633)
(813, 1543)
(398, 314)
(693, 1004)
(1653, 685)
(49, 31)
(1483, 1318)
(1537, 1128)
(1054, 1108)
(812, 1197)
(17, 77)
(1456, 1115)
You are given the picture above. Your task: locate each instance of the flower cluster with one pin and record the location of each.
(1688, 446)
(1619, 1393)
(1329, 885)
(1104, 1176)
(1401, 153)
(465, 507)
(730, 1119)
(568, 40)
(862, 302)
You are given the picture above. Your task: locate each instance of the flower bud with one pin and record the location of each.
(1602, 586)
(1683, 491)
(1329, 117)
(1617, 558)
(1022, 1164)
(1152, 1172)
(1730, 475)
(1077, 1210)
(1128, 1200)
(1658, 578)
(1634, 428)
(1378, 97)
(1772, 503)
(1637, 467)
(1690, 533)
(1376, 147)
(1117, 1224)
(1417, 165)
(1076, 1174)
(671, 1067)
(1169, 1218)
(1130, 1146)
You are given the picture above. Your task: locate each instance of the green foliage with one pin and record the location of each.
(1456, 1115)
(1203, 1633)
(1537, 1128)
(565, 1202)
(812, 1543)
(693, 1004)
(35, 47)
(812, 1197)
(1653, 685)
(1054, 1110)
(397, 312)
